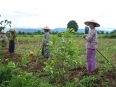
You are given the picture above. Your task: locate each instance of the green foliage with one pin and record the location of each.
(114, 31)
(39, 32)
(72, 24)
(101, 32)
(3, 43)
(5, 74)
(86, 30)
(87, 81)
(63, 56)
(59, 34)
(45, 84)
(17, 81)
(4, 23)
(113, 35)
(69, 84)
(32, 35)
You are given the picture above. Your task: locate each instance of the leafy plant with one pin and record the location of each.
(63, 56)
(5, 74)
(4, 23)
(87, 81)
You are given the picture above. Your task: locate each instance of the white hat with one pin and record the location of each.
(92, 21)
(2, 31)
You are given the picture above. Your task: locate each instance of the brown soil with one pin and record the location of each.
(35, 65)
(32, 66)
(108, 77)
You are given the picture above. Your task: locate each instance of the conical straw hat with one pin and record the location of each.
(92, 21)
(12, 30)
(3, 32)
(46, 28)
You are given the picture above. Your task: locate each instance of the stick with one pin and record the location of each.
(40, 47)
(105, 58)
(39, 50)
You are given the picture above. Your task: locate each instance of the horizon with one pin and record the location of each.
(98, 29)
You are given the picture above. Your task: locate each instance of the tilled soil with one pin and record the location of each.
(78, 73)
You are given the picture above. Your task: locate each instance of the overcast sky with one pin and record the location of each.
(57, 13)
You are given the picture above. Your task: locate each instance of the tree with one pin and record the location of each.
(72, 24)
(107, 32)
(114, 31)
(19, 32)
(39, 31)
(101, 32)
(4, 23)
(86, 30)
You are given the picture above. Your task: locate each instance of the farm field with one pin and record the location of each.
(64, 68)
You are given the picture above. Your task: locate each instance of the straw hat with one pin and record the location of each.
(12, 30)
(92, 21)
(2, 32)
(46, 28)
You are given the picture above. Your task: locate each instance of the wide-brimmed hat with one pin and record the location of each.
(92, 21)
(2, 32)
(12, 30)
(46, 28)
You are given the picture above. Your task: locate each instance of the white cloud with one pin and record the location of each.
(57, 13)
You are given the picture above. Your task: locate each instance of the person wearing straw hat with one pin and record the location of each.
(3, 39)
(3, 36)
(45, 42)
(12, 38)
(91, 42)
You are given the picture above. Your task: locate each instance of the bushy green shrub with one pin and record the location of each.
(17, 81)
(105, 36)
(113, 35)
(63, 57)
(3, 43)
(32, 35)
(59, 34)
(5, 74)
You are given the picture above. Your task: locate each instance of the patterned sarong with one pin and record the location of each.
(45, 51)
(90, 58)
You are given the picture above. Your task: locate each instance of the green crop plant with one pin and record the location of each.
(87, 81)
(5, 74)
(62, 57)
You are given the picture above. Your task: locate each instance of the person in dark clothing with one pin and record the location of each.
(12, 38)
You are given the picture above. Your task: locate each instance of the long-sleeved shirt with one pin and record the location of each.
(12, 36)
(46, 38)
(3, 37)
(91, 39)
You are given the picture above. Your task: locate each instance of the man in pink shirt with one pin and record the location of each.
(91, 42)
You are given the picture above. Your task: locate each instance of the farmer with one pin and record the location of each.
(3, 36)
(45, 42)
(12, 38)
(3, 39)
(91, 42)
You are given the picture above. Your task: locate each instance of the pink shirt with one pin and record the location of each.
(3, 37)
(91, 39)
